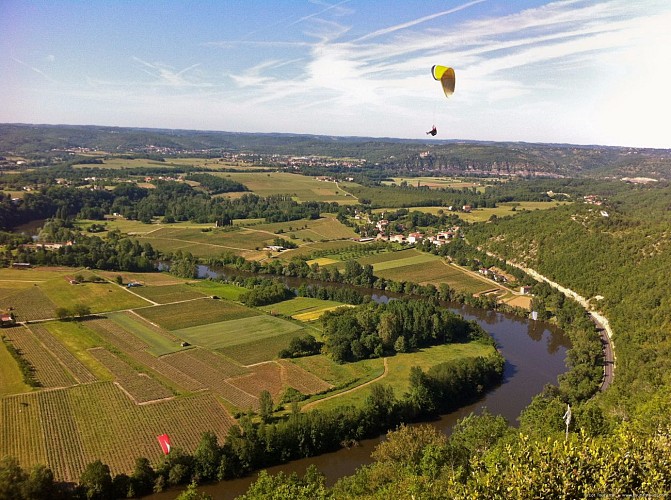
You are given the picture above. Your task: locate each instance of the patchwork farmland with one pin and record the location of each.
(175, 361)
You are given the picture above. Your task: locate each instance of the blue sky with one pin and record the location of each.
(574, 71)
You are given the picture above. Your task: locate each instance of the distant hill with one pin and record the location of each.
(445, 157)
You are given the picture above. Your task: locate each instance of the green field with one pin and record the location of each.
(11, 380)
(300, 187)
(399, 366)
(158, 344)
(168, 293)
(392, 260)
(226, 291)
(259, 349)
(99, 297)
(195, 313)
(341, 375)
(303, 308)
(218, 335)
(326, 227)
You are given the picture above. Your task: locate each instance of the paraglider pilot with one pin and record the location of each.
(433, 131)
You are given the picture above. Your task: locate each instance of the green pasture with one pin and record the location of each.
(399, 366)
(166, 294)
(11, 380)
(99, 297)
(159, 345)
(302, 188)
(218, 335)
(34, 274)
(197, 312)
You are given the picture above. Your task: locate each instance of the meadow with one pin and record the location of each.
(303, 308)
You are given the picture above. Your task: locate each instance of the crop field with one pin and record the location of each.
(437, 272)
(195, 313)
(393, 260)
(300, 187)
(207, 243)
(68, 428)
(148, 279)
(398, 371)
(324, 246)
(275, 377)
(226, 291)
(237, 331)
(325, 228)
(49, 372)
(165, 294)
(504, 209)
(158, 341)
(303, 308)
(340, 375)
(260, 349)
(388, 196)
(435, 182)
(29, 304)
(140, 387)
(71, 363)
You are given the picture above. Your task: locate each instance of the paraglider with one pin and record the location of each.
(164, 441)
(445, 76)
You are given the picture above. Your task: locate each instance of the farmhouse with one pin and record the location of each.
(415, 237)
(525, 290)
(7, 320)
(398, 238)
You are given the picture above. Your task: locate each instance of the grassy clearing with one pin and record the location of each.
(195, 313)
(158, 344)
(310, 248)
(326, 227)
(399, 370)
(237, 331)
(148, 279)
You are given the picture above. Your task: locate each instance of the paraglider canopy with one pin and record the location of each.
(164, 441)
(445, 76)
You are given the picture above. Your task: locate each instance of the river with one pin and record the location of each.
(534, 353)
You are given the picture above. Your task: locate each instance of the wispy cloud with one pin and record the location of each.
(166, 75)
(36, 70)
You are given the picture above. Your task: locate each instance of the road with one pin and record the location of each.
(603, 326)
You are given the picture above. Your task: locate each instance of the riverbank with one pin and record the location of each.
(601, 321)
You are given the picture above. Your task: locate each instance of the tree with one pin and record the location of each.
(38, 484)
(191, 493)
(265, 406)
(96, 481)
(11, 477)
(207, 457)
